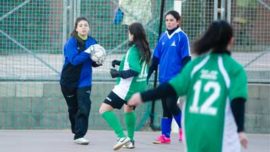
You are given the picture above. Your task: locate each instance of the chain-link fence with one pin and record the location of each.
(32, 32)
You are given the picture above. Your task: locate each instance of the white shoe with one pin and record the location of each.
(130, 145)
(81, 141)
(121, 142)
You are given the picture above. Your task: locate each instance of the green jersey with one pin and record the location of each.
(125, 88)
(210, 82)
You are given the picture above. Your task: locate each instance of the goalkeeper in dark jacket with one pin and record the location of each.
(76, 78)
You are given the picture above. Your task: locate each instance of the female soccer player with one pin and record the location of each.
(171, 54)
(76, 78)
(131, 78)
(216, 89)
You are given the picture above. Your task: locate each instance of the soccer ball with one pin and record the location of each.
(98, 53)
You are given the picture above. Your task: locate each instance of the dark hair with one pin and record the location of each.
(216, 38)
(175, 14)
(140, 40)
(74, 32)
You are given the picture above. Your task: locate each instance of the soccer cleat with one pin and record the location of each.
(120, 143)
(180, 134)
(162, 140)
(130, 145)
(81, 141)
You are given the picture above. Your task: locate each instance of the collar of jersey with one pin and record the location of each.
(222, 52)
(176, 31)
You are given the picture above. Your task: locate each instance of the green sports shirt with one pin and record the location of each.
(210, 82)
(125, 88)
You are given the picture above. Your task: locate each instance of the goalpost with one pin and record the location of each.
(177, 6)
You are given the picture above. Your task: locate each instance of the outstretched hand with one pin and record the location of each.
(135, 100)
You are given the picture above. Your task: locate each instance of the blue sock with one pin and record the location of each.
(166, 126)
(178, 119)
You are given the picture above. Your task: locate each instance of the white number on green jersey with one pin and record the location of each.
(143, 73)
(206, 107)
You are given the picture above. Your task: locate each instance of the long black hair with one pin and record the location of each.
(216, 38)
(74, 33)
(140, 40)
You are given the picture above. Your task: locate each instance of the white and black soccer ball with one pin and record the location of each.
(98, 53)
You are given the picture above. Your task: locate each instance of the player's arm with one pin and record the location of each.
(155, 59)
(72, 55)
(238, 110)
(153, 67)
(134, 64)
(124, 74)
(238, 96)
(162, 91)
(185, 49)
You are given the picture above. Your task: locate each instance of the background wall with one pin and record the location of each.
(43, 107)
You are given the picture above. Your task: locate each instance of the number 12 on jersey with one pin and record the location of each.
(206, 107)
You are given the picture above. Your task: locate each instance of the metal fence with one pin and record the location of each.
(33, 32)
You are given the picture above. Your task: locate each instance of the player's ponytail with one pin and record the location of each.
(216, 38)
(140, 40)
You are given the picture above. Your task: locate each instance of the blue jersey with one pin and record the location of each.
(171, 50)
(77, 69)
